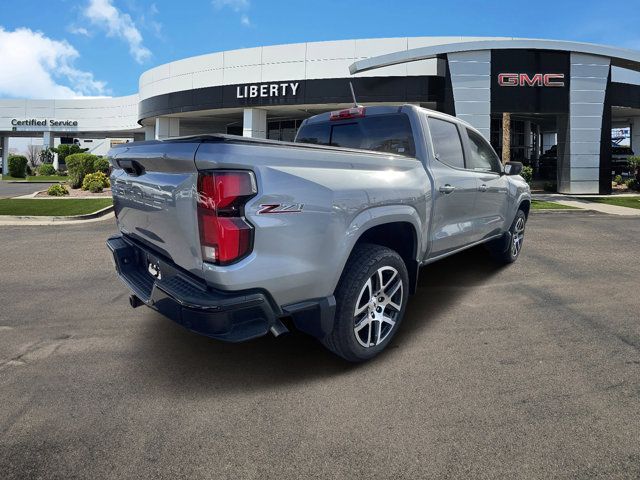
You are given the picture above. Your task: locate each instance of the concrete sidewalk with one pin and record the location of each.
(582, 202)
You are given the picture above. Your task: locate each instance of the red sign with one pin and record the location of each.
(535, 80)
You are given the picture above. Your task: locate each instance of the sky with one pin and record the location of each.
(74, 48)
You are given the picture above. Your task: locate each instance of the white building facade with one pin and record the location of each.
(566, 93)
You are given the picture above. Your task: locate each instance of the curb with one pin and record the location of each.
(34, 195)
(564, 210)
(35, 181)
(47, 220)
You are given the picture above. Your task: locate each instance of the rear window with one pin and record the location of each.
(381, 133)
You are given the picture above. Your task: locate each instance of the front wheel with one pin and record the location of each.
(370, 303)
(508, 248)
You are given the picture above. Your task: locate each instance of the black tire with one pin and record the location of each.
(503, 249)
(365, 262)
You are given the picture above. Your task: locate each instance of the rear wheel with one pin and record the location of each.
(508, 248)
(370, 303)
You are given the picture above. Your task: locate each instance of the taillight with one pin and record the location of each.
(355, 112)
(225, 235)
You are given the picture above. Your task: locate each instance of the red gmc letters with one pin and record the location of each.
(536, 80)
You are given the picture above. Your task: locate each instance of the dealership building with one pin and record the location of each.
(564, 98)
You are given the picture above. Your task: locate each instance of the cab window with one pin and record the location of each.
(482, 157)
(381, 133)
(446, 142)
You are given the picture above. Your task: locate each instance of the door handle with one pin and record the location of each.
(447, 189)
(482, 188)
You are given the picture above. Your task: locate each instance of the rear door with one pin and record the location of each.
(455, 190)
(154, 187)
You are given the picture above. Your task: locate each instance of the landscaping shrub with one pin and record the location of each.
(67, 149)
(101, 165)
(46, 169)
(634, 166)
(527, 174)
(57, 190)
(79, 165)
(617, 179)
(94, 186)
(632, 184)
(95, 182)
(18, 166)
(29, 171)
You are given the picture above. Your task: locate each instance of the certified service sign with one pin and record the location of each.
(33, 122)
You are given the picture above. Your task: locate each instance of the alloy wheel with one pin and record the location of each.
(378, 307)
(517, 237)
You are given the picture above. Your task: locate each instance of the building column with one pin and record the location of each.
(167, 127)
(254, 123)
(149, 132)
(4, 145)
(471, 84)
(580, 172)
(47, 142)
(635, 135)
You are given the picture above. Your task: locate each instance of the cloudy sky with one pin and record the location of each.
(67, 48)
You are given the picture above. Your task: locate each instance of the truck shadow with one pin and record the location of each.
(181, 361)
(443, 283)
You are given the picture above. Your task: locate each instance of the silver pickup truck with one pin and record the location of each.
(234, 237)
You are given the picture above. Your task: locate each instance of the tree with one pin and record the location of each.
(46, 155)
(506, 137)
(33, 155)
(67, 149)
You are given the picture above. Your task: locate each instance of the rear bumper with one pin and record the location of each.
(232, 317)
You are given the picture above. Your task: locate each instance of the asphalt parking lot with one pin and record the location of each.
(528, 371)
(15, 189)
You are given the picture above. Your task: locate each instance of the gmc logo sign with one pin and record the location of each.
(537, 80)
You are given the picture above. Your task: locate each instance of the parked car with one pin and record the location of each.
(233, 237)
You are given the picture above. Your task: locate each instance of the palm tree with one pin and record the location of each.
(506, 137)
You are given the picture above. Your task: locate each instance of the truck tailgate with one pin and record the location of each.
(154, 187)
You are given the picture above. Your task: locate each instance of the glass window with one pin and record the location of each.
(482, 156)
(347, 135)
(381, 133)
(314, 133)
(446, 142)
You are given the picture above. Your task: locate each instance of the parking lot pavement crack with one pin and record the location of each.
(37, 351)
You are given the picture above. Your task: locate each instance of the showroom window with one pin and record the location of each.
(284, 130)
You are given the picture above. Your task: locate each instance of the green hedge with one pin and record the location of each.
(101, 164)
(78, 166)
(46, 169)
(18, 166)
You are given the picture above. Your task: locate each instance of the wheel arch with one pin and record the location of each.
(396, 227)
(525, 206)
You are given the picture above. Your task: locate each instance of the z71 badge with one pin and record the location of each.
(280, 208)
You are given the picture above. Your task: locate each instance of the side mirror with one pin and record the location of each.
(512, 168)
